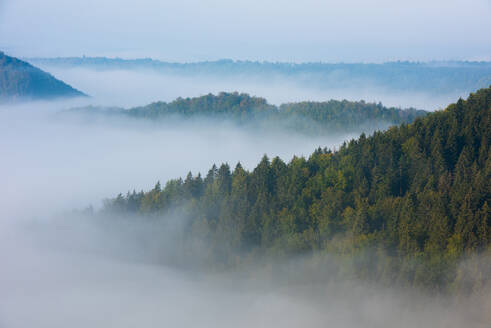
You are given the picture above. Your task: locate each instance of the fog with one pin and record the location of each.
(51, 161)
(59, 269)
(136, 87)
(76, 272)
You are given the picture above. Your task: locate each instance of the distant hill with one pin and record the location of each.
(436, 77)
(21, 80)
(314, 118)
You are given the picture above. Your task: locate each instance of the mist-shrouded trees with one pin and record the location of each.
(407, 204)
(311, 118)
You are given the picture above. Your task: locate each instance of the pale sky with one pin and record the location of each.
(192, 30)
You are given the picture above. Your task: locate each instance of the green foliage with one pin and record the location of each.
(406, 205)
(314, 118)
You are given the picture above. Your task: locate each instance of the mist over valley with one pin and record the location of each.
(335, 172)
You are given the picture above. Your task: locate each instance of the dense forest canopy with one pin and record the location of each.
(434, 77)
(21, 80)
(307, 117)
(404, 205)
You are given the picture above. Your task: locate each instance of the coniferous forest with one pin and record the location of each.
(405, 205)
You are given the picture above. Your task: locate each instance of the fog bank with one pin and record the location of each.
(52, 162)
(76, 272)
(137, 87)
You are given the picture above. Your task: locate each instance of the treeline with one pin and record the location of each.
(405, 205)
(306, 117)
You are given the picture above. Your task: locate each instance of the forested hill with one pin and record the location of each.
(225, 105)
(403, 205)
(308, 117)
(21, 80)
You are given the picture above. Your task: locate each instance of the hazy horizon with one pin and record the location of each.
(191, 30)
(225, 59)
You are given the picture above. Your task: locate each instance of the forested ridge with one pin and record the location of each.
(405, 205)
(434, 77)
(308, 117)
(19, 79)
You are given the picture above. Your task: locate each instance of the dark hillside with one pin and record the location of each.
(21, 80)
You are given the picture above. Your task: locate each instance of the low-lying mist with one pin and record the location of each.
(135, 87)
(76, 271)
(55, 162)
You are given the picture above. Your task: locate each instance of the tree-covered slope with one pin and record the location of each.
(344, 115)
(21, 80)
(404, 205)
(307, 117)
